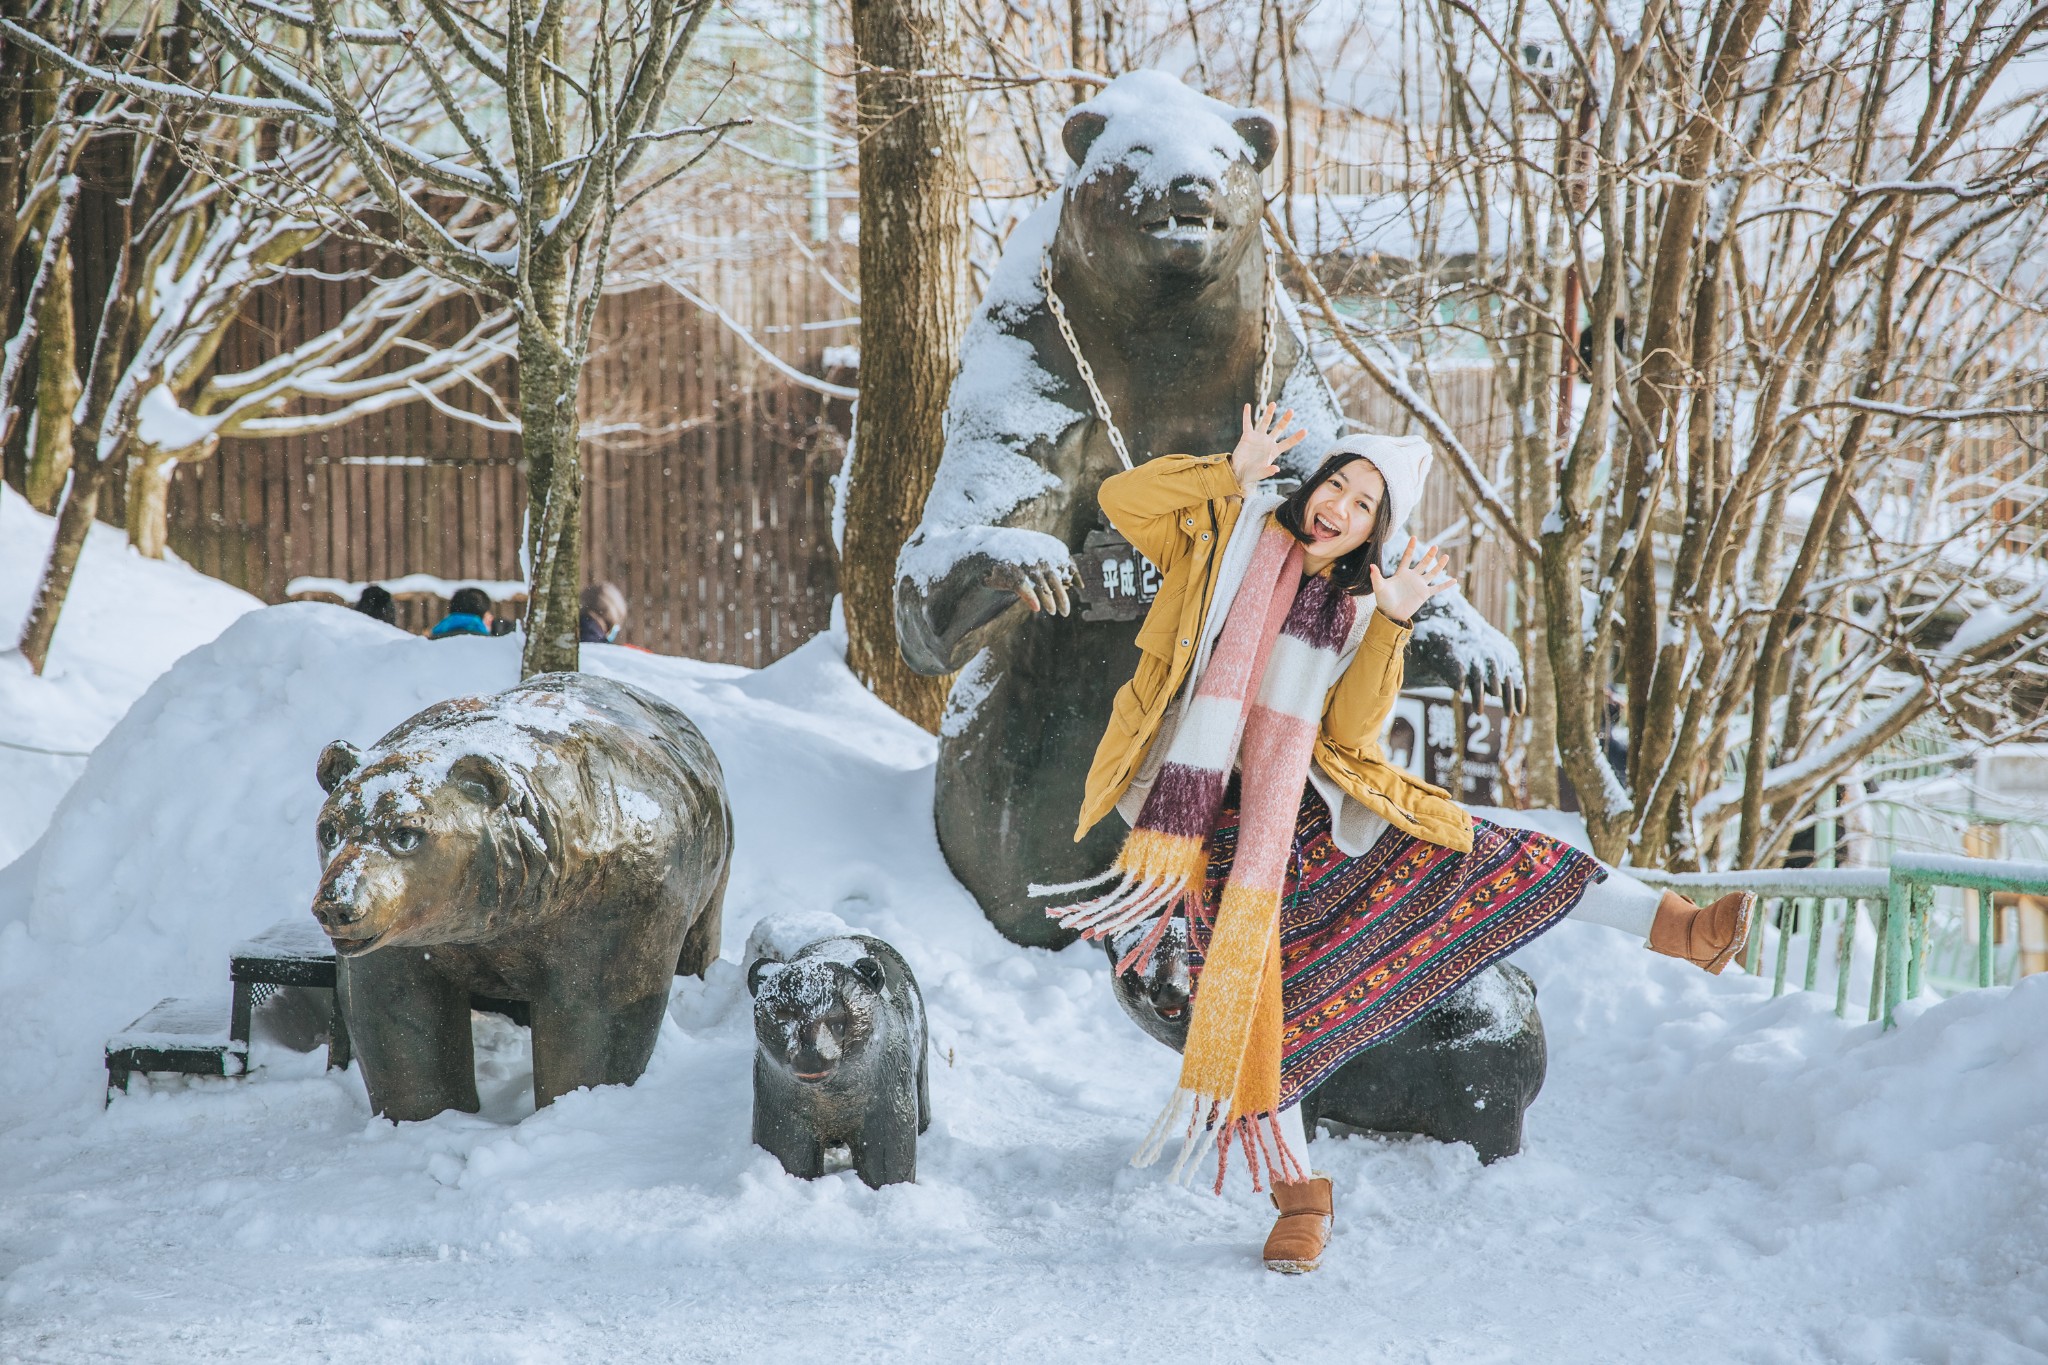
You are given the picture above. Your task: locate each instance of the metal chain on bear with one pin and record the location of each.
(1268, 329)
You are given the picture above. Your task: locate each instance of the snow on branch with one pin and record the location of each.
(1385, 375)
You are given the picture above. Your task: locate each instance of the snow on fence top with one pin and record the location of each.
(420, 584)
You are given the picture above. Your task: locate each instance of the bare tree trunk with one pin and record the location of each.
(148, 504)
(74, 523)
(554, 489)
(57, 387)
(913, 257)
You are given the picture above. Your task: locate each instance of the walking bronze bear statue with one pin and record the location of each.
(1465, 1072)
(840, 1057)
(564, 843)
(1155, 255)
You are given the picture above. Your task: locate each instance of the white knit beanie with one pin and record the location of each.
(1403, 461)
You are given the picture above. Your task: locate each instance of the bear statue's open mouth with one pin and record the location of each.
(353, 947)
(813, 1076)
(1184, 226)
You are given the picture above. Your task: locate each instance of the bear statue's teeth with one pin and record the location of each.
(1182, 225)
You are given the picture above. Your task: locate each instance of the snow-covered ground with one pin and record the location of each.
(125, 622)
(1709, 1175)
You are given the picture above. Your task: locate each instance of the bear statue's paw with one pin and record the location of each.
(936, 552)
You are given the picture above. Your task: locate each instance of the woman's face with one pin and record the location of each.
(1339, 514)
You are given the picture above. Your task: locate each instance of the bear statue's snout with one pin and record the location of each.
(1169, 990)
(342, 910)
(1191, 205)
(817, 1052)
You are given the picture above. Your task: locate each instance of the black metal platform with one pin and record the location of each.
(185, 1035)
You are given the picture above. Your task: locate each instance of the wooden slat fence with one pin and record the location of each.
(707, 491)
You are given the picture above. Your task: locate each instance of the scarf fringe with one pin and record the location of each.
(1038, 890)
(1140, 956)
(1266, 1153)
(1126, 906)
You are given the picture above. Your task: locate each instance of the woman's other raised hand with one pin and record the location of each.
(1414, 581)
(1260, 444)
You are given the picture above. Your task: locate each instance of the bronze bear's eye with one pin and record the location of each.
(329, 836)
(404, 840)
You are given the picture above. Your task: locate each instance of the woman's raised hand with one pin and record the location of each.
(1261, 443)
(1413, 582)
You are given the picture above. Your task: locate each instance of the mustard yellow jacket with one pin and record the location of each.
(1179, 511)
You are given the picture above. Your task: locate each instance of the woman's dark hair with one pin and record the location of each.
(1352, 572)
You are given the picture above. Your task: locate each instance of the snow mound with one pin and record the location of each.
(126, 621)
(1709, 1175)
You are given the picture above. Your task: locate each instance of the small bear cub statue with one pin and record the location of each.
(840, 1055)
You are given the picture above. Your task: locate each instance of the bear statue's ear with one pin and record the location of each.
(760, 971)
(482, 777)
(870, 971)
(1260, 134)
(1083, 127)
(337, 761)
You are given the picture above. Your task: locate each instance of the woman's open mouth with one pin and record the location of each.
(1323, 530)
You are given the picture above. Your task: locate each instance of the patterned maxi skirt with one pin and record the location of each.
(1370, 944)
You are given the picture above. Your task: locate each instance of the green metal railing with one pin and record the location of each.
(1898, 899)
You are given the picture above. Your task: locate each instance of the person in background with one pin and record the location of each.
(604, 612)
(469, 613)
(376, 602)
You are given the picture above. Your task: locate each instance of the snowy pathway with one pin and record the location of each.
(1709, 1175)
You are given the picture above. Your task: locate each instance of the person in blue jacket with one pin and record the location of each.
(469, 613)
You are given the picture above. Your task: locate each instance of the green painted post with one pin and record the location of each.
(1923, 918)
(1897, 911)
(1816, 919)
(1753, 951)
(1788, 929)
(1845, 954)
(1985, 915)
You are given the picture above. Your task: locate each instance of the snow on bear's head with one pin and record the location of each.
(1165, 180)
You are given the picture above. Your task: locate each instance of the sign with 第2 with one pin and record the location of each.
(1424, 737)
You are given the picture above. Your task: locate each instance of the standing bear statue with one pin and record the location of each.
(839, 1057)
(1154, 253)
(564, 843)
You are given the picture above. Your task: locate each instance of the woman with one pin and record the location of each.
(1333, 898)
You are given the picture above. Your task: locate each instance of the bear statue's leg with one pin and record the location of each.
(1010, 782)
(706, 935)
(581, 1040)
(885, 1153)
(410, 1028)
(1496, 1130)
(924, 1089)
(782, 1129)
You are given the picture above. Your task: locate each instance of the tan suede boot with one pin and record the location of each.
(1707, 936)
(1295, 1245)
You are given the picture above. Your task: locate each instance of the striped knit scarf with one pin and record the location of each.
(1257, 706)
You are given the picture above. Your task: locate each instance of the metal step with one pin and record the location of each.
(180, 1035)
